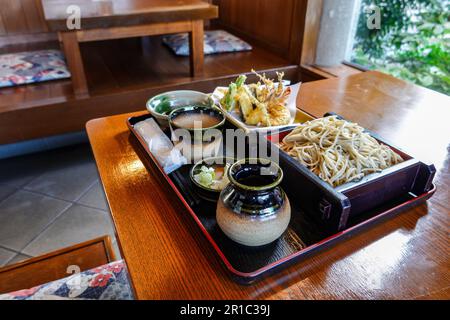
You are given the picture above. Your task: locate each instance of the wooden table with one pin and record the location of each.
(115, 19)
(405, 257)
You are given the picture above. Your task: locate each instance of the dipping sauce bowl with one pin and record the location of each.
(197, 121)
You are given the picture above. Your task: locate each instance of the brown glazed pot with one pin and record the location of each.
(253, 210)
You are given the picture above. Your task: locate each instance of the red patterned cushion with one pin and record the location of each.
(30, 67)
(108, 282)
(217, 41)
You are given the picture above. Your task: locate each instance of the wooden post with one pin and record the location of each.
(196, 47)
(75, 63)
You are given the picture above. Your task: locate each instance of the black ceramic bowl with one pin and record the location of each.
(197, 121)
(204, 192)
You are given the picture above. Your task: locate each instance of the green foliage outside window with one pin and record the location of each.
(413, 42)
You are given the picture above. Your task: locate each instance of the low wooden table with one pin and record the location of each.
(115, 19)
(405, 257)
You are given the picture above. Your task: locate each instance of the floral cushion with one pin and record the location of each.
(109, 282)
(31, 67)
(217, 41)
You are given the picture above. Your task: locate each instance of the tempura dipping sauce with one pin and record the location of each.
(197, 120)
(194, 120)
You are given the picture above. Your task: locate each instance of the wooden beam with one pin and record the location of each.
(297, 31)
(56, 16)
(133, 31)
(196, 47)
(75, 63)
(311, 32)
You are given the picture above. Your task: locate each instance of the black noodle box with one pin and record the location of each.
(336, 206)
(320, 214)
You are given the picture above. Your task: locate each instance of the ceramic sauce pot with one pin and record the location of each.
(253, 209)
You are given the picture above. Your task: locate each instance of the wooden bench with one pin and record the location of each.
(54, 265)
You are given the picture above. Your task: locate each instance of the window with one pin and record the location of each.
(409, 39)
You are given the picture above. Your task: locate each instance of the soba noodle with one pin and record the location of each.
(338, 151)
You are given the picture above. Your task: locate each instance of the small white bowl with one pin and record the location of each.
(161, 105)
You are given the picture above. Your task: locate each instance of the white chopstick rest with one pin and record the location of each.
(160, 146)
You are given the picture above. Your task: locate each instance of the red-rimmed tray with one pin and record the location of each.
(304, 236)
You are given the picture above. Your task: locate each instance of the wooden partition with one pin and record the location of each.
(21, 16)
(276, 24)
(22, 21)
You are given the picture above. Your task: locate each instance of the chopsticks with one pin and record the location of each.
(191, 198)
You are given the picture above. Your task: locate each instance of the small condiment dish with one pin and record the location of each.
(210, 193)
(163, 104)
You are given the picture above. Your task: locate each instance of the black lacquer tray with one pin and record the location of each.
(305, 234)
